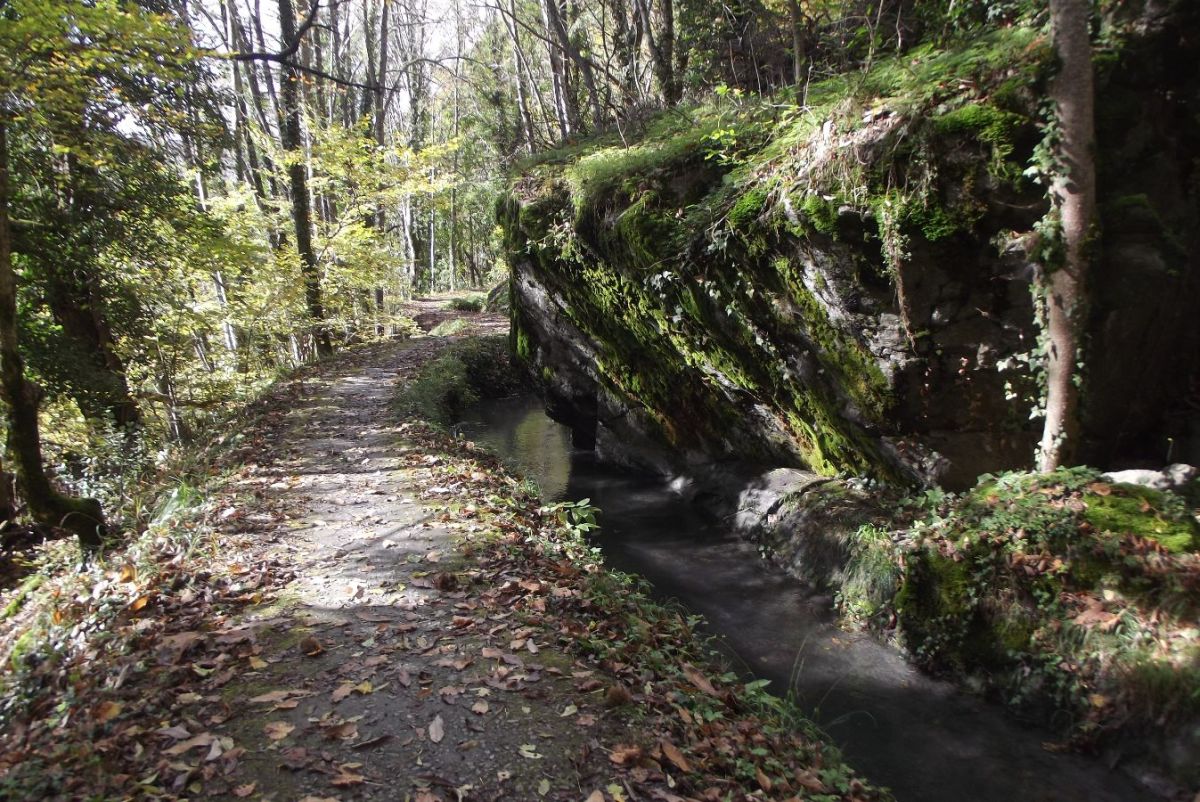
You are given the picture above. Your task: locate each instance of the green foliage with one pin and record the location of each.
(1060, 590)
(471, 303)
(873, 575)
(449, 328)
(463, 374)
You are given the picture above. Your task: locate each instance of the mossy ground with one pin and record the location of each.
(1067, 594)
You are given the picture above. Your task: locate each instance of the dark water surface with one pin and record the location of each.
(924, 739)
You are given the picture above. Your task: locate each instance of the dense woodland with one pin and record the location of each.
(199, 195)
(847, 242)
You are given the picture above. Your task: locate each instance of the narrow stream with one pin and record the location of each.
(923, 738)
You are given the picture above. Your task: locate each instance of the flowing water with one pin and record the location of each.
(925, 739)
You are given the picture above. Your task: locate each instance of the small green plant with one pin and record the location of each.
(872, 574)
(579, 517)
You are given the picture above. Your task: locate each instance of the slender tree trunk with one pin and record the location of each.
(662, 46)
(798, 51)
(82, 517)
(519, 74)
(1074, 195)
(558, 74)
(297, 175)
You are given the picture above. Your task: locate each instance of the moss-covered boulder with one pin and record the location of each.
(843, 285)
(1074, 599)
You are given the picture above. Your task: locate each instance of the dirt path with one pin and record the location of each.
(379, 682)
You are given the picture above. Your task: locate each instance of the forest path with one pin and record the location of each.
(375, 679)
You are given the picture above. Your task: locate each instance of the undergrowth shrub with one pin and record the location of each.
(471, 303)
(465, 373)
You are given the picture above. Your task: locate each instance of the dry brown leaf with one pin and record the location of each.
(345, 779)
(625, 753)
(311, 646)
(437, 729)
(595, 796)
(617, 695)
(203, 739)
(107, 711)
(764, 781)
(699, 680)
(672, 753)
(480, 707)
(346, 730)
(244, 791)
(278, 730)
(341, 692)
(178, 732)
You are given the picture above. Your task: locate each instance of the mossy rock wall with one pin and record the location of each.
(846, 288)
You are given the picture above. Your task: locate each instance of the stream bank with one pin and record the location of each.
(924, 738)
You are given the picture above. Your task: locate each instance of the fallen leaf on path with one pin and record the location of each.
(480, 707)
(294, 757)
(376, 741)
(311, 646)
(341, 692)
(345, 779)
(569, 710)
(437, 730)
(278, 730)
(529, 751)
(347, 730)
(244, 790)
(625, 753)
(672, 753)
(107, 711)
(595, 796)
(543, 787)
(618, 695)
(203, 739)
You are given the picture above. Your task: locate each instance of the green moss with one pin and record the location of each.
(1145, 513)
(747, 209)
(987, 123)
(821, 213)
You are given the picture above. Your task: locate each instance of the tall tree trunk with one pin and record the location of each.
(82, 517)
(297, 175)
(1074, 195)
(798, 51)
(75, 303)
(519, 72)
(563, 102)
(662, 45)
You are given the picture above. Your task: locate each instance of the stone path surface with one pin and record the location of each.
(376, 684)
